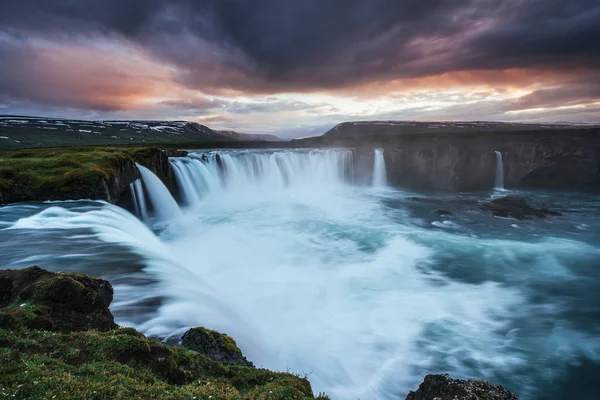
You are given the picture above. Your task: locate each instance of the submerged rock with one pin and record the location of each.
(62, 302)
(216, 346)
(516, 207)
(442, 387)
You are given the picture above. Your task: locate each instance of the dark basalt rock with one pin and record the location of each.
(444, 213)
(62, 302)
(442, 387)
(175, 153)
(216, 346)
(516, 207)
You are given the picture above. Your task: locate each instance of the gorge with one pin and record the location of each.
(357, 263)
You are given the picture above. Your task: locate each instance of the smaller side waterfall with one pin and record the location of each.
(164, 205)
(379, 171)
(139, 199)
(499, 183)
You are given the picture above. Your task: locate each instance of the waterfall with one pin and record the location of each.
(379, 171)
(200, 174)
(499, 183)
(164, 205)
(139, 199)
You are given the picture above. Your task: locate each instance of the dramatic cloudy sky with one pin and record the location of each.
(298, 67)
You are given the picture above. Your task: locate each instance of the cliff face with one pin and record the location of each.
(455, 161)
(99, 173)
(127, 172)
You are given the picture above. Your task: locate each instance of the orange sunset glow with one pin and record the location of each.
(284, 79)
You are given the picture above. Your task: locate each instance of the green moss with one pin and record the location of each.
(65, 169)
(28, 315)
(39, 362)
(57, 289)
(123, 364)
(224, 340)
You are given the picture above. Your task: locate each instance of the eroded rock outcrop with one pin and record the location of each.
(58, 340)
(216, 346)
(102, 173)
(62, 302)
(442, 387)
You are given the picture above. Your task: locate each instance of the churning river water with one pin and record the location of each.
(364, 288)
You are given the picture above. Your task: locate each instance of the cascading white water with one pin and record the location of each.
(248, 171)
(499, 182)
(343, 282)
(379, 170)
(163, 203)
(139, 199)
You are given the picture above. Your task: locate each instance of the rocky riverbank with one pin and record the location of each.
(58, 339)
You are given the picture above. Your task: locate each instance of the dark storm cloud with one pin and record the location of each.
(272, 45)
(575, 93)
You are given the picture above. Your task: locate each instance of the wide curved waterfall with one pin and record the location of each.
(364, 290)
(203, 173)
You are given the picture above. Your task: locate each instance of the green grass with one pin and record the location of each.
(53, 173)
(60, 166)
(121, 363)
(124, 364)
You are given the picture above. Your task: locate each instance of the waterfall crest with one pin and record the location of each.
(199, 174)
(379, 170)
(164, 205)
(499, 182)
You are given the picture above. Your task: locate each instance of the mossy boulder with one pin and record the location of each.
(124, 364)
(63, 302)
(442, 387)
(59, 340)
(74, 173)
(216, 346)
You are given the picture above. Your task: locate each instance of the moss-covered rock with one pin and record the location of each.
(55, 342)
(73, 173)
(122, 365)
(38, 299)
(216, 346)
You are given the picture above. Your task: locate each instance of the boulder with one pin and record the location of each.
(175, 153)
(444, 213)
(63, 302)
(442, 387)
(516, 207)
(214, 345)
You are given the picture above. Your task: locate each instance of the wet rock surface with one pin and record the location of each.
(516, 207)
(216, 346)
(442, 387)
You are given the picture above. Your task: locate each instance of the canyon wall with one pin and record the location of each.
(461, 161)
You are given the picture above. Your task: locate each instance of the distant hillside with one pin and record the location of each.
(17, 132)
(363, 129)
(250, 137)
